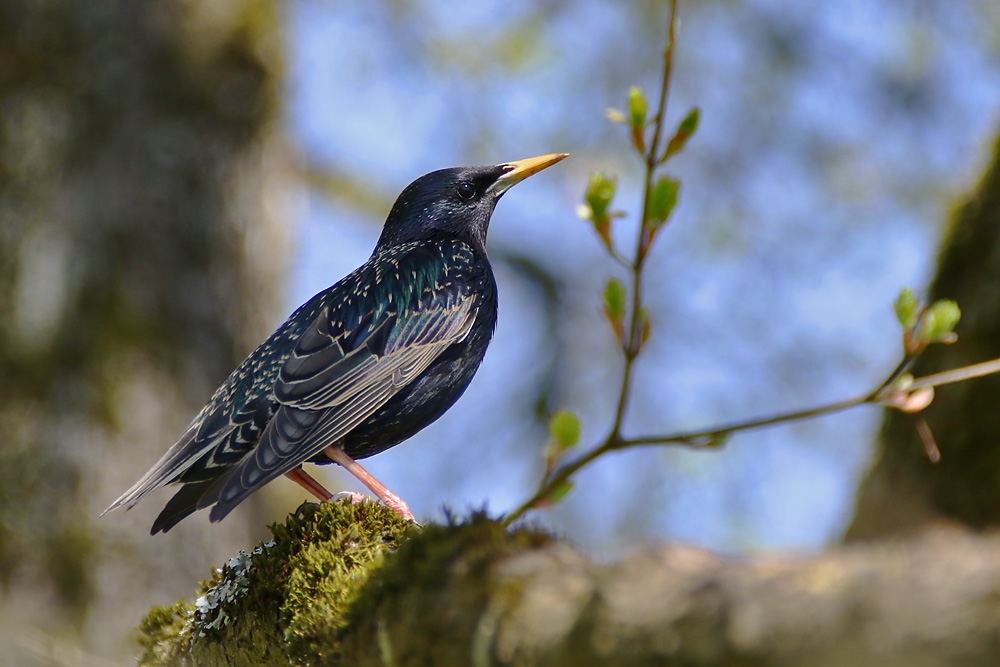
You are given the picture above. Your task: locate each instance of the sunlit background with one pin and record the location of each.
(834, 140)
(831, 145)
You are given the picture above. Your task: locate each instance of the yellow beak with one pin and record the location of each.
(517, 171)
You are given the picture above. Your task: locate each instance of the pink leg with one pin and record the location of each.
(301, 477)
(390, 499)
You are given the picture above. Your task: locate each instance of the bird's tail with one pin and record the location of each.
(181, 455)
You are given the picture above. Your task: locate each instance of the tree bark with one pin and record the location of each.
(472, 594)
(141, 179)
(904, 490)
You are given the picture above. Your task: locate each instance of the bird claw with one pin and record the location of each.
(349, 496)
(393, 502)
(301, 509)
(390, 499)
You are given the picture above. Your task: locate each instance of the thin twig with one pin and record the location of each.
(634, 333)
(894, 375)
(620, 258)
(746, 425)
(699, 439)
(927, 437)
(956, 375)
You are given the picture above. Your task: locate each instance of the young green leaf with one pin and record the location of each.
(564, 427)
(636, 108)
(938, 322)
(614, 299)
(637, 117)
(718, 440)
(907, 308)
(614, 308)
(662, 199)
(688, 126)
(644, 327)
(685, 130)
(597, 198)
(600, 192)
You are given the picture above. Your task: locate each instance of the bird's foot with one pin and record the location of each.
(395, 503)
(349, 496)
(391, 500)
(301, 509)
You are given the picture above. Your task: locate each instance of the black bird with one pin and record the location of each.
(361, 366)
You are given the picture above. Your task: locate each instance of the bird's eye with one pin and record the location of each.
(466, 191)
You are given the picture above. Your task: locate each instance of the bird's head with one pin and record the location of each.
(456, 201)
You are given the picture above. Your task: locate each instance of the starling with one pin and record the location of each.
(361, 366)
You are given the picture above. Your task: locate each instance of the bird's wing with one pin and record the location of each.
(335, 379)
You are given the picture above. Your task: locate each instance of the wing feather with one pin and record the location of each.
(319, 409)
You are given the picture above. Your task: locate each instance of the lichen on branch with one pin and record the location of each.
(282, 603)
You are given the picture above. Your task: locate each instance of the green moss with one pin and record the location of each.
(425, 560)
(282, 603)
(327, 590)
(333, 562)
(439, 578)
(163, 633)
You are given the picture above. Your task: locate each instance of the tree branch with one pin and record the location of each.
(519, 597)
(884, 394)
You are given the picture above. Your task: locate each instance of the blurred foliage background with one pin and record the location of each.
(176, 177)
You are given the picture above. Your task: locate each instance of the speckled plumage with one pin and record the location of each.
(362, 365)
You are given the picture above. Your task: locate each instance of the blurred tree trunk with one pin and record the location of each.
(140, 168)
(904, 490)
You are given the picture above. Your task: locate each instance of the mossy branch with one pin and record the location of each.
(332, 590)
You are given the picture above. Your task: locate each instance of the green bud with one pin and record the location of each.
(614, 300)
(662, 199)
(938, 322)
(564, 427)
(688, 126)
(685, 130)
(636, 108)
(718, 440)
(645, 327)
(907, 308)
(902, 383)
(600, 192)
